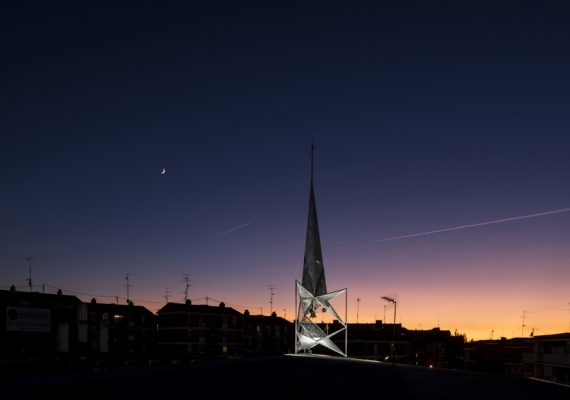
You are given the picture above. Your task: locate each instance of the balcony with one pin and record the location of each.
(529, 358)
(557, 359)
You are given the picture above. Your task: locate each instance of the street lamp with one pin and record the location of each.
(393, 349)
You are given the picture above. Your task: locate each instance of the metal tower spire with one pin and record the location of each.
(312, 152)
(313, 267)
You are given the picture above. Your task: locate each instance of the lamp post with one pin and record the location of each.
(393, 348)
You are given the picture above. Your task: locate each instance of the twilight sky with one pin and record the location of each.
(426, 116)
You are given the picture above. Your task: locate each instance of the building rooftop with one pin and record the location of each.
(36, 297)
(556, 336)
(198, 308)
(119, 308)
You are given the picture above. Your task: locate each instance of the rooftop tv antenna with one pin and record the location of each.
(188, 284)
(128, 287)
(29, 259)
(523, 325)
(166, 294)
(357, 308)
(271, 294)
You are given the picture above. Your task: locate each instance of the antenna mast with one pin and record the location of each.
(29, 259)
(188, 284)
(271, 293)
(166, 294)
(128, 287)
(357, 308)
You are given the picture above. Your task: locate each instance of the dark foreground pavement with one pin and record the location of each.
(280, 377)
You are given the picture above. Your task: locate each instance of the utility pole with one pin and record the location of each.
(384, 320)
(128, 287)
(285, 313)
(271, 293)
(29, 259)
(393, 349)
(357, 308)
(188, 284)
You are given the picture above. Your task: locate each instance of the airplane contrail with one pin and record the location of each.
(235, 228)
(496, 221)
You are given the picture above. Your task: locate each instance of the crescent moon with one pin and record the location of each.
(163, 171)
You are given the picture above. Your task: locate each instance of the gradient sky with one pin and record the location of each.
(426, 115)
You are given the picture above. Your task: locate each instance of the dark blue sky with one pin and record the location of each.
(426, 115)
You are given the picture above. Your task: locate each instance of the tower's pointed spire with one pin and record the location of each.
(312, 161)
(313, 267)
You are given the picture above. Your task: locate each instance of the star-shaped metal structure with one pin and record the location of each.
(308, 334)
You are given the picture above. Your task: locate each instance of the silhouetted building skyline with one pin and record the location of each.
(121, 333)
(57, 329)
(549, 357)
(502, 356)
(187, 331)
(39, 328)
(267, 335)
